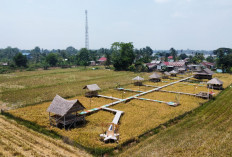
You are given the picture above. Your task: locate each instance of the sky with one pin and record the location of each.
(160, 24)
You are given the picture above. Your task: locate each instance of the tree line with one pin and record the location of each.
(123, 56)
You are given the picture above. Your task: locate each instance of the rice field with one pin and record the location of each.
(140, 116)
(17, 140)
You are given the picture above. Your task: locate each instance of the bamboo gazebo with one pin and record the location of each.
(204, 74)
(64, 112)
(173, 73)
(181, 70)
(155, 77)
(138, 81)
(215, 83)
(166, 75)
(92, 90)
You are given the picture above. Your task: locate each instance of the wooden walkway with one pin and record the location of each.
(178, 92)
(117, 115)
(129, 90)
(168, 103)
(108, 97)
(150, 86)
(130, 98)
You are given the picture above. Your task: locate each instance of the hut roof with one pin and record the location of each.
(208, 71)
(61, 106)
(173, 72)
(92, 87)
(181, 69)
(215, 81)
(155, 75)
(138, 78)
(167, 73)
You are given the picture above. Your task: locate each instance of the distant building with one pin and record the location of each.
(4, 64)
(174, 65)
(102, 60)
(28, 55)
(208, 65)
(170, 59)
(92, 63)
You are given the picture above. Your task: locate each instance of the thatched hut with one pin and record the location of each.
(173, 73)
(92, 90)
(138, 81)
(155, 77)
(64, 112)
(166, 75)
(181, 70)
(204, 74)
(215, 83)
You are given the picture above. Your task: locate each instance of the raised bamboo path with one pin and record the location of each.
(131, 97)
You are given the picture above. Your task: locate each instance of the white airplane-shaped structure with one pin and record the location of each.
(111, 134)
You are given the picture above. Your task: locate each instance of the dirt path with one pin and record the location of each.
(17, 140)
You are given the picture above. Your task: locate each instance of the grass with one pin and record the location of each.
(140, 116)
(206, 132)
(33, 87)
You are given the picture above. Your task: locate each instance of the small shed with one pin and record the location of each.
(215, 83)
(138, 81)
(204, 74)
(63, 112)
(155, 77)
(181, 70)
(173, 73)
(166, 75)
(92, 90)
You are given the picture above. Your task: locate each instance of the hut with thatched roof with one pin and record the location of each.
(166, 75)
(91, 90)
(215, 83)
(138, 81)
(64, 112)
(204, 74)
(155, 77)
(173, 73)
(181, 70)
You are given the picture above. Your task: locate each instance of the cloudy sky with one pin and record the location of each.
(160, 24)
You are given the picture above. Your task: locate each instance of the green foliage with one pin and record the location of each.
(122, 55)
(52, 59)
(144, 54)
(132, 68)
(108, 57)
(8, 54)
(183, 56)
(20, 60)
(173, 53)
(210, 59)
(83, 57)
(198, 58)
(224, 58)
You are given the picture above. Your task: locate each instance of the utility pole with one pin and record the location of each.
(86, 31)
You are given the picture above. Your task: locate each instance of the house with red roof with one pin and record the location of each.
(102, 60)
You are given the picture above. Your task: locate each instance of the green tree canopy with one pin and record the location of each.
(173, 53)
(52, 59)
(224, 58)
(122, 55)
(83, 57)
(20, 60)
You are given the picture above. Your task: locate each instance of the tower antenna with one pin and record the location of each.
(86, 31)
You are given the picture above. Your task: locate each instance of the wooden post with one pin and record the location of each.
(64, 121)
